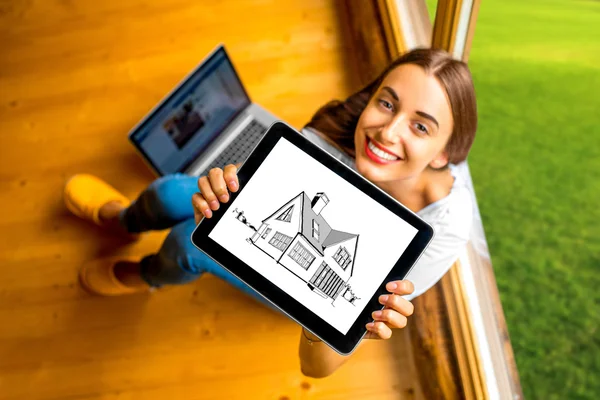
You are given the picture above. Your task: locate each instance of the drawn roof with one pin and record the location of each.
(327, 236)
(336, 237)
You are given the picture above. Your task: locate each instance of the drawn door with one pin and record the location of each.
(327, 281)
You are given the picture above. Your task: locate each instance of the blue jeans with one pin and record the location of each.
(167, 203)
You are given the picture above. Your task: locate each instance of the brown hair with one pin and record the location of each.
(337, 120)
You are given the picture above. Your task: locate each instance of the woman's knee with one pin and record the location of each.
(180, 243)
(193, 262)
(171, 195)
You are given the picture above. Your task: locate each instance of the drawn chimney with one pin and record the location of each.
(319, 202)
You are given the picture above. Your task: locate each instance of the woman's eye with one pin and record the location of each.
(421, 128)
(386, 104)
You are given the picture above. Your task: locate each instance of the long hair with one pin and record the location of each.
(336, 121)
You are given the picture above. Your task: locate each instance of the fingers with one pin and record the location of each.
(230, 177)
(214, 189)
(207, 192)
(397, 303)
(215, 176)
(395, 314)
(378, 330)
(393, 318)
(201, 208)
(400, 287)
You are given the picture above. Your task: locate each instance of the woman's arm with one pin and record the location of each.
(317, 360)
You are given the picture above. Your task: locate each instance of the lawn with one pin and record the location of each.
(536, 170)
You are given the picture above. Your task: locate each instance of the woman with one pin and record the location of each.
(403, 132)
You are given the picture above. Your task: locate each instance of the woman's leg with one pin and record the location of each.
(164, 203)
(179, 261)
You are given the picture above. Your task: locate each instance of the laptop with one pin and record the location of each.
(207, 121)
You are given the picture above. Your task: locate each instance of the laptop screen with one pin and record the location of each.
(184, 124)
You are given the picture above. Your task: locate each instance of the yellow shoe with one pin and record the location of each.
(85, 194)
(98, 277)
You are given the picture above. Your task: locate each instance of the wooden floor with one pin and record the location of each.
(74, 77)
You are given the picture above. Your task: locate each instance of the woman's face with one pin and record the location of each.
(404, 128)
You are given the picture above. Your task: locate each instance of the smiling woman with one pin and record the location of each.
(407, 126)
(402, 132)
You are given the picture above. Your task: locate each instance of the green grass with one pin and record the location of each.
(536, 170)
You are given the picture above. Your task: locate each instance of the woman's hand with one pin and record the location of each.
(214, 188)
(395, 313)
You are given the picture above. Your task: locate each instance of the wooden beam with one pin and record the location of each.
(446, 24)
(380, 31)
(454, 26)
(502, 356)
(434, 349)
(461, 327)
(474, 12)
(368, 40)
(453, 31)
(414, 26)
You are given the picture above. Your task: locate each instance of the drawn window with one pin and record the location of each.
(315, 230)
(342, 257)
(301, 255)
(280, 241)
(327, 281)
(266, 233)
(286, 215)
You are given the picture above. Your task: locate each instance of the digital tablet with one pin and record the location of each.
(313, 237)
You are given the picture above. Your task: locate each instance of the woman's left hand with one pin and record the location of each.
(395, 313)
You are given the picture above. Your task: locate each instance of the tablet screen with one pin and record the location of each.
(314, 235)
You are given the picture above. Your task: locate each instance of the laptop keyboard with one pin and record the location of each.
(239, 149)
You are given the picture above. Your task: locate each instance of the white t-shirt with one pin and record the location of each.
(451, 218)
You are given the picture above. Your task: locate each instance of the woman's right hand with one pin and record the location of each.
(214, 188)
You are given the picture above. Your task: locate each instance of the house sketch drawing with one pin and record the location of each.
(298, 238)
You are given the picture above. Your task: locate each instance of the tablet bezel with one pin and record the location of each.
(343, 344)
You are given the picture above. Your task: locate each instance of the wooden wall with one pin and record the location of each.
(74, 77)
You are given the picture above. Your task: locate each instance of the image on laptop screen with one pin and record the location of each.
(187, 122)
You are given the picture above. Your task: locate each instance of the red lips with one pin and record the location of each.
(375, 157)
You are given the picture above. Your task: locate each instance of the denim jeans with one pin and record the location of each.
(167, 203)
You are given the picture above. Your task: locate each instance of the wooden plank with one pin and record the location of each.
(367, 41)
(461, 326)
(499, 339)
(447, 16)
(434, 347)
